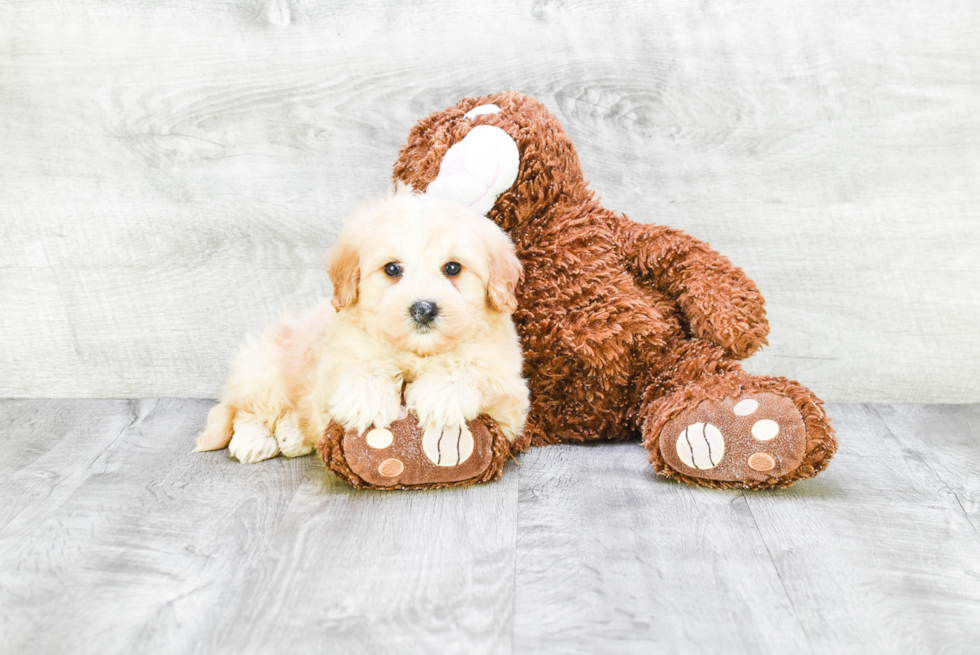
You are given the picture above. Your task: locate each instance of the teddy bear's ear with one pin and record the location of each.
(505, 271)
(344, 268)
(476, 170)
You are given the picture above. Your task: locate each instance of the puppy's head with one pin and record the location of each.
(423, 274)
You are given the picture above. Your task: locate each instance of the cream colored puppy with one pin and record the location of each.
(423, 293)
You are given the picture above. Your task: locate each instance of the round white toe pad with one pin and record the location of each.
(379, 438)
(746, 407)
(765, 429)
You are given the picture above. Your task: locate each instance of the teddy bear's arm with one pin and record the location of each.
(719, 301)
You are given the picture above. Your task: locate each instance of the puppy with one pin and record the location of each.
(423, 293)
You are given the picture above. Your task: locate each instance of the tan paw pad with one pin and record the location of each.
(391, 468)
(762, 462)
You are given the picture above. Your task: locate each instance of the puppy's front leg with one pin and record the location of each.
(365, 396)
(448, 398)
(444, 402)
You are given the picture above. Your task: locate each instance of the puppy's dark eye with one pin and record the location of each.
(452, 269)
(393, 270)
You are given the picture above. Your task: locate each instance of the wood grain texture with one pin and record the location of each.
(878, 554)
(613, 559)
(172, 172)
(121, 541)
(381, 572)
(115, 538)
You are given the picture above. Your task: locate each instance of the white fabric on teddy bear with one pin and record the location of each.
(479, 168)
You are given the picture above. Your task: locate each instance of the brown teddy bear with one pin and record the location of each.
(629, 330)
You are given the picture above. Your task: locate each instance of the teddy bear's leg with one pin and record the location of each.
(708, 422)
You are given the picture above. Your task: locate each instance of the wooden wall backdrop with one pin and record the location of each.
(171, 171)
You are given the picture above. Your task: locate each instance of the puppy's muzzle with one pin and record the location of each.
(424, 312)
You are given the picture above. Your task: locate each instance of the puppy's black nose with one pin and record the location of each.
(424, 311)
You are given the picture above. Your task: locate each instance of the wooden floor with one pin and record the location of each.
(115, 538)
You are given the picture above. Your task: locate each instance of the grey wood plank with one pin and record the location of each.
(381, 572)
(171, 173)
(33, 429)
(151, 548)
(613, 559)
(49, 446)
(875, 555)
(945, 440)
(117, 539)
(134, 556)
(878, 554)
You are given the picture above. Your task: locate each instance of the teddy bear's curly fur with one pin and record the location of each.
(630, 330)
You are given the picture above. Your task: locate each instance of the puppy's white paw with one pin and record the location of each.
(441, 401)
(360, 402)
(252, 442)
(448, 446)
(290, 438)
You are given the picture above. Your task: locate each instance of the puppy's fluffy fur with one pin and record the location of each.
(351, 359)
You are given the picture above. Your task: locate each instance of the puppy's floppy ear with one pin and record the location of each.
(505, 271)
(344, 268)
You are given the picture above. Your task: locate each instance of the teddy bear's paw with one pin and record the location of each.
(754, 437)
(252, 441)
(405, 455)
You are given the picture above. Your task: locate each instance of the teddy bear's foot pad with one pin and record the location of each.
(750, 438)
(403, 455)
